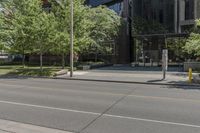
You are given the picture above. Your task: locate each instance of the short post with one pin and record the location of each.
(190, 75)
(164, 62)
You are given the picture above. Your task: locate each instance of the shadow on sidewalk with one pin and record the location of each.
(154, 81)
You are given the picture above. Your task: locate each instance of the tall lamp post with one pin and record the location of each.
(71, 34)
(72, 40)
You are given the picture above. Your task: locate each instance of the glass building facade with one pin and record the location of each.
(98, 2)
(198, 9)
(189, 9)
(174, 17)
(123, 42)
(117, 7)
(161, 11)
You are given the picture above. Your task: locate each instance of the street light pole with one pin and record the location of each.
(72, 39)
(71, 35)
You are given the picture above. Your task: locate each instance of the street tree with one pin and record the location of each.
(104, 26)
(16, 20)
(43, 30)
(176, 45)
(26, 27)
(92, 27)
(193, 42)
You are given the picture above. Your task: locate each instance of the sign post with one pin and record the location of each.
(164, 62)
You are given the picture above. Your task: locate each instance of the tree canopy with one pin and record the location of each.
(193, 42)
(28, 28)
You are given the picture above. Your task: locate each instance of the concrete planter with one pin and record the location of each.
(85, 67)
(61, 72)
(88, 67)
(193, 65)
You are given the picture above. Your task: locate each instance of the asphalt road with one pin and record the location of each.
(99, 107)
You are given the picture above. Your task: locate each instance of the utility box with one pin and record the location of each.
(164, 62)
(165, 59)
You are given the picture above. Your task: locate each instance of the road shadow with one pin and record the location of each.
(10, 76)
(183, 85)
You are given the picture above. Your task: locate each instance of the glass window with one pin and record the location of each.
(117, 7)
(189, 9)
(198, 9)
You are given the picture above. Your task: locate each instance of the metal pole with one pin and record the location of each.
(164, 62)
(72, 40)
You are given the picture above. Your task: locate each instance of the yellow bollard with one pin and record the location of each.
(190, 75)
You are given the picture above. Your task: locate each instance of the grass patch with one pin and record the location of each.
(17, 70)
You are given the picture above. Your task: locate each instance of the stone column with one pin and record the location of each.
(175, 16)
(195, 9)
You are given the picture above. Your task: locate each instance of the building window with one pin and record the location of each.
(117, 7)
(189, 9)
(198, 9)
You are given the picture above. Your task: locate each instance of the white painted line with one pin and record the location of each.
(154, 121)
(7, 126)
(47, 107)
(108, 115)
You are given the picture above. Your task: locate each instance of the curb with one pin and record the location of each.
(108, 81)
(128, 82)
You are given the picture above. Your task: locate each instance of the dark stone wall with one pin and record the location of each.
(123, 46)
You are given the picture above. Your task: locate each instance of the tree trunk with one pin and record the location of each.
(96, 56)
(41, 62)
(23, 60)
(63, 61)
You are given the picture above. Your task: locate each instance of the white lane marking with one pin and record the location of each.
(108, 115)
(47, 107)
(154, 121)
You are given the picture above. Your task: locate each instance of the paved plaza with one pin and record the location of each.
(149, 75)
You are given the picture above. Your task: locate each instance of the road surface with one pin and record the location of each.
(100, 107)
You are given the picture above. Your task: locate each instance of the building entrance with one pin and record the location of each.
(147, 50)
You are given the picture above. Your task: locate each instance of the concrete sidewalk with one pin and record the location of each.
(15, 127)
(128, 75)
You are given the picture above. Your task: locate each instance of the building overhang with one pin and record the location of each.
(187, 22)
(95, 3)
(167, 35)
